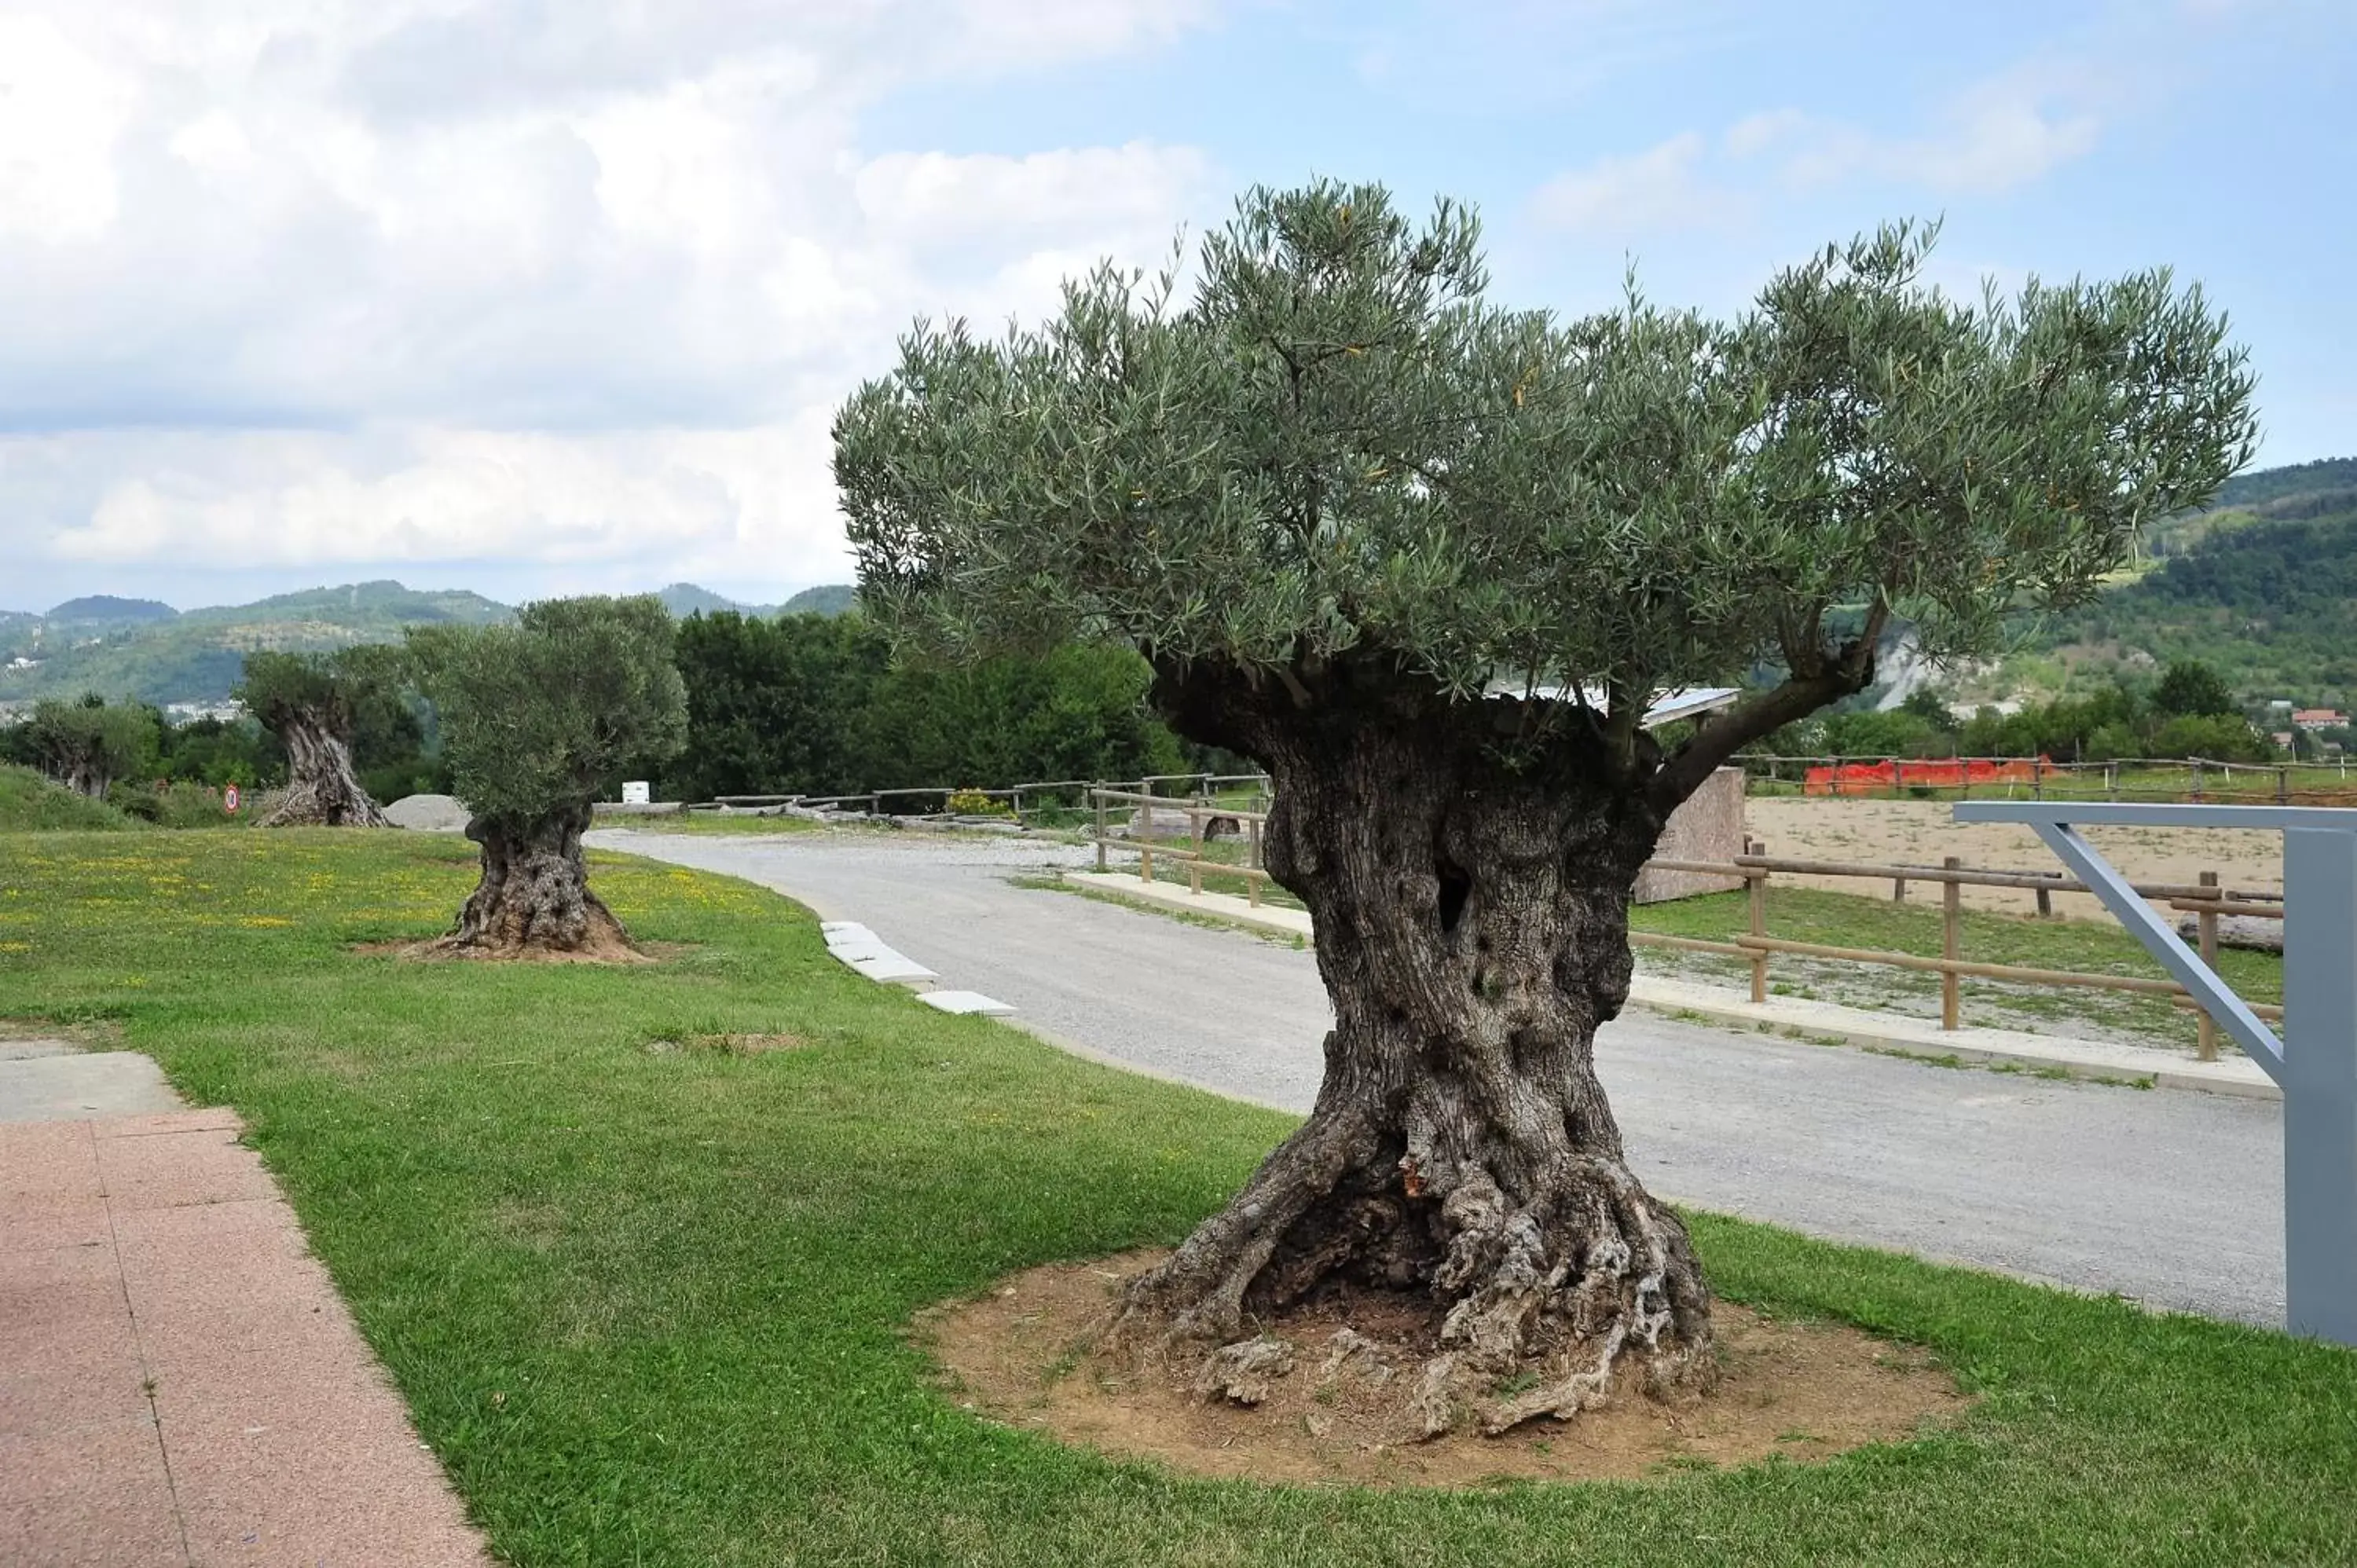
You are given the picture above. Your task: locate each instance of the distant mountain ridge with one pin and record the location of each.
(147, 649)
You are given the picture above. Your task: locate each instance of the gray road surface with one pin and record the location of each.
(2171, 1197)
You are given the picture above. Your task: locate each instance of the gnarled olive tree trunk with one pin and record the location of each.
(323, 789)
(1471, 916)
(534, 892)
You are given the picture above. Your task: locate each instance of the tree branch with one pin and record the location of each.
(1849, 670)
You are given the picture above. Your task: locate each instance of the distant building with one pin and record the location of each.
(2282, 737)
(188, 712)
(2319, 718)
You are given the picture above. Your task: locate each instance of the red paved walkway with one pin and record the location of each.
(179, 1382)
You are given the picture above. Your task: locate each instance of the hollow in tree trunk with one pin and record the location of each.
(535, 894)
(1471, 912)
(322, 791)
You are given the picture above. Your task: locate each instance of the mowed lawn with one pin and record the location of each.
(649, 1307)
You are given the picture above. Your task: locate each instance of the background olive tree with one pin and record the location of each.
(314, 702)
(538, 718)
(1427, 560)
(88, 745)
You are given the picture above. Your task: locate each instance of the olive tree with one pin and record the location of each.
(312, 702)
(536, 718)
(1427, 560)
(86, 746)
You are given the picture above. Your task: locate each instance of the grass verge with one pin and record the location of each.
(30, 803)
(649, 1306)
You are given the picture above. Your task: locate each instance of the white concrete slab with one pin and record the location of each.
(82, 1086)
(965, 1002)
(892, 967)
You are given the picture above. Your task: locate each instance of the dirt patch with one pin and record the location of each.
(441, 950)
(90, 1034)
(1804, 1389)
(1920, 833)
(726, 1045)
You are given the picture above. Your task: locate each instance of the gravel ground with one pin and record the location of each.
(2173, 1197)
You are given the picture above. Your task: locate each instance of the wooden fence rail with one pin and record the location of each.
(2206, 901)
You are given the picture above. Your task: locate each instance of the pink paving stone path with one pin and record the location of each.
(179, 1382)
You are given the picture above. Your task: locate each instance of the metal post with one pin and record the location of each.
(2320, 1085)
(1951, 945)
(2317, 1069)
(1097, 793)
(1756, 881)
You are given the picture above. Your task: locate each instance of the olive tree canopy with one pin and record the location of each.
(1428, 558)
(87, 745)
(536, 718)
(1340, 450)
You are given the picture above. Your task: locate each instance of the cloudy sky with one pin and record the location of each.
(558, 295)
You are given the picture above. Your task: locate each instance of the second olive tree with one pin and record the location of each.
(537, 718)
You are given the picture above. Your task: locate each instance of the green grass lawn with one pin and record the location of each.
(650, 1308)
(712, 822)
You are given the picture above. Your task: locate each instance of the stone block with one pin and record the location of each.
(1709, 826)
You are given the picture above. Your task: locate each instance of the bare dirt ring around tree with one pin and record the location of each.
(1019, 1354)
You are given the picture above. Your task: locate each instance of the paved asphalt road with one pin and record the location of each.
(2168, 1195)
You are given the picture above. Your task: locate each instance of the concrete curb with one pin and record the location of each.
(1890, 1031)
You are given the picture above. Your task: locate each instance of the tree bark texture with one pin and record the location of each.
(535, 894)
(86, 778)
(322, 791)
(1470, 895)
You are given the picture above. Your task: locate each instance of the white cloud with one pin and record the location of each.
(2006, 131)
(1662, 187)
(934, 198)
(61, 111)
(2002, 133)
(318, 283)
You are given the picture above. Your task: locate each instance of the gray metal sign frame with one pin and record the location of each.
(2315, 1064)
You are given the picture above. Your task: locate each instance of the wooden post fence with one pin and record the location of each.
(1951, 945)
(2207, 1047)
(1755, 880)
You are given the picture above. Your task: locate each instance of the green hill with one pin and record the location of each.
(138, 648)
(685, 599)
(2272, 605)
(2262, 587)
(829, 599)
(198, 656)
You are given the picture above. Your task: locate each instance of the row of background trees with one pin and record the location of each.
(2188, 712)
(816, 704)
(797, 705)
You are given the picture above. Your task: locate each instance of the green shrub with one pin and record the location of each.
(30, 803)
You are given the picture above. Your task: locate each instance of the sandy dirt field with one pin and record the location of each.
(1921, 833)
